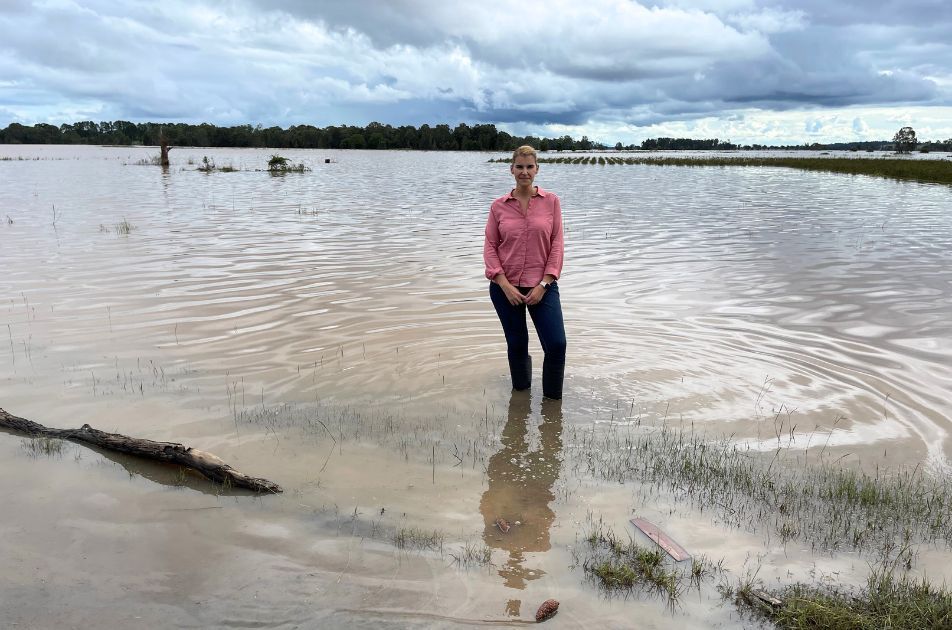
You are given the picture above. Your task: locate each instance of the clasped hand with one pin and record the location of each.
(532, 298)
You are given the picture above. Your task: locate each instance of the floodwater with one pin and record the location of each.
(331, 331)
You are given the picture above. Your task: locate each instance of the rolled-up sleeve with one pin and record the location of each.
(491, 245)
(553, 264)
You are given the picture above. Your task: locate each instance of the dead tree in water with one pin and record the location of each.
(164, 148)
(205, 463)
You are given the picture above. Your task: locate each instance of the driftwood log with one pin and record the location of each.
(204, 463)
(761, 599)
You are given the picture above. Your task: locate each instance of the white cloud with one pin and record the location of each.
(769, 21)
(755, 126)
(603, 66)
(717, 7)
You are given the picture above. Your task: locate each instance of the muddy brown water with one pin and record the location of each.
(331, 331)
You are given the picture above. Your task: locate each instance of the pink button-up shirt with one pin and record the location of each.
(525, 247)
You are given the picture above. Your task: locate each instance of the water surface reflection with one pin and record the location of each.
(521, 479)
(687, 289)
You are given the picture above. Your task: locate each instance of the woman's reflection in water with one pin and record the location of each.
(520, 488)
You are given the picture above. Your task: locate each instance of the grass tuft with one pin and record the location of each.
(415, 538)
(621, 566)
(887, 601)
(208, 166)
(124, 227)
(473, 554)
(154, 160)
(279, 165)
(48, 447)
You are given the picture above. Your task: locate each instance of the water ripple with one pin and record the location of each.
(363, 278)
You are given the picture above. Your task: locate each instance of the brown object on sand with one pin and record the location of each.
(503, 525)
(548, 608)
(205, 463)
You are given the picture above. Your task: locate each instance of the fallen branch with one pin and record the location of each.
(204, 463)
(762, 599)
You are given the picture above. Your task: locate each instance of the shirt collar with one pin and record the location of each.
(539, 193)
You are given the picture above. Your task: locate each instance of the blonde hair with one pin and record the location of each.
(525, 150)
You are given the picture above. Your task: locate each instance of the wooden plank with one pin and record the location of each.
(661, 539)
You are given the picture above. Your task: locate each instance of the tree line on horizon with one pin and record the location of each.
(480, 137)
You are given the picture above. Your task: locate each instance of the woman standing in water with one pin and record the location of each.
(523, 254)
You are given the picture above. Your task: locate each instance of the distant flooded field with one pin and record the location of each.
(331, 330)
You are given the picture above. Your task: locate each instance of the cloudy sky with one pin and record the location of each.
(769, 71)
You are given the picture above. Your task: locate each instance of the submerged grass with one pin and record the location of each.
(624, 566)
(887, 601)
(153, 160)
(934, 171)
(788, 494)
(124, 227)
(43, 446)
(791, 494)
(291, 168)
(209, 166)
(827, 504)
(473, 554)
(416, 538)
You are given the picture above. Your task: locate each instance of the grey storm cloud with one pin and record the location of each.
(413, 61)
(917, 13)
(810, 51)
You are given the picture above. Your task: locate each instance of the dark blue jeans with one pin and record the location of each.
(547, 319)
